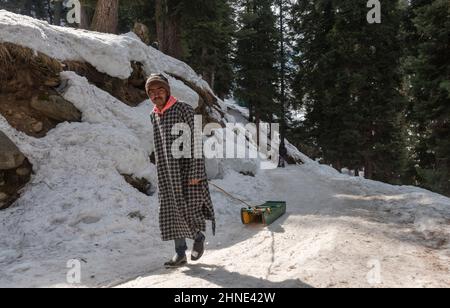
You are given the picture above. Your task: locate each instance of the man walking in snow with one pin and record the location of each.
(184, 198)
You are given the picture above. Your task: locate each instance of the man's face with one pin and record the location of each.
(158, 95)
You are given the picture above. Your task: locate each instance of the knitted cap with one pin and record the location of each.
(157, 78)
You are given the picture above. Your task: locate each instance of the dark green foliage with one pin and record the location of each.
(256, 58)
(348, 81)
(428, 74)
(208, 29)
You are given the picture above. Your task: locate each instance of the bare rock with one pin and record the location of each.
(37, 127)
(57, 108)
(10, 155)
(142, 32)
(23, 171)
(3, 197)
(142, 185)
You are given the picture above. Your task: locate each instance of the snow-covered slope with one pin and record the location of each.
(110, 54)
(339, 230)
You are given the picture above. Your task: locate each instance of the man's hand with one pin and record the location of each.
(194, 182)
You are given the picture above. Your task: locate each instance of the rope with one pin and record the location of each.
(230, 195)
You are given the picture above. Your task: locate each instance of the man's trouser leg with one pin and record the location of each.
(181, 247)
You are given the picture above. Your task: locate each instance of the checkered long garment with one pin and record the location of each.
(184, 209)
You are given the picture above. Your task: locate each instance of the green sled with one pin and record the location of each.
(264, 214)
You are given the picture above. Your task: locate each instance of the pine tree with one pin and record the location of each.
(141, 11)
(314, 84)
(348, 81)
(12, 5)
(283, 101)
(35, 8)
(256, 59)
(429, 71)
(207, 37)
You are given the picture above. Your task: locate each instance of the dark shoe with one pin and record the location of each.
(199, 247)
(177, 261)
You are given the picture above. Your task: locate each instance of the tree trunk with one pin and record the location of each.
(168, 29)
(213, 79)
(258, 121)
(57, 13)
(282, 82)
(39, 7)
(26, 7)
(368, 169)
(84, 17)
(251, 112)
(338, 166)
(160, 17)
(205, 74)
(174, 37)
(106, 17)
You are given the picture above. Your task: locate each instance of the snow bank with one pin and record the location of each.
(77, 200)
(429, 213)
(99, 107)
(110, 54)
